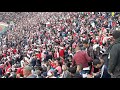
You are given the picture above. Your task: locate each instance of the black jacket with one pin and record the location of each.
(33, 62)
(114, 61)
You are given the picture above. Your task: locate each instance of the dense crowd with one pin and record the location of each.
(57, 44)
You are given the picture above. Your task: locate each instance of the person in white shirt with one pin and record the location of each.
(95, 46)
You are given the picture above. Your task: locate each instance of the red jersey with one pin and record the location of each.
(20, 71)
(14, 51)
(38, 55)
(61, 53)
(81, 57)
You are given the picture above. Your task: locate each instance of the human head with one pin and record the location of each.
(116, 34)
(68, 64)
(77, 48)
(38, 72)
(98, 49)
(70, 58)
(79, 67)
(44, 69)
(85, 44)
(27, 71)
(72, 70)
(64, 67)
(18, 76)
(33, 55)
(58, 63)
(97, 63)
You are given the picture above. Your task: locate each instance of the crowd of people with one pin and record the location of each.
(60, 45)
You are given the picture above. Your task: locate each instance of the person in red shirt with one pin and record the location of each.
(81, 57)
(20, 71)
(52, 64)
(38, 55)
(61, 52)
(14, 51)
(8, 67)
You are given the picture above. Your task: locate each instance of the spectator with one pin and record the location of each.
(103, 69)
(27, 72)
(50, 40)
(58, 67)
(89, 48)
(38, 73)
(113, 65)
(80, 72)
(72, 71)
(65, 73)
(81, 57)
